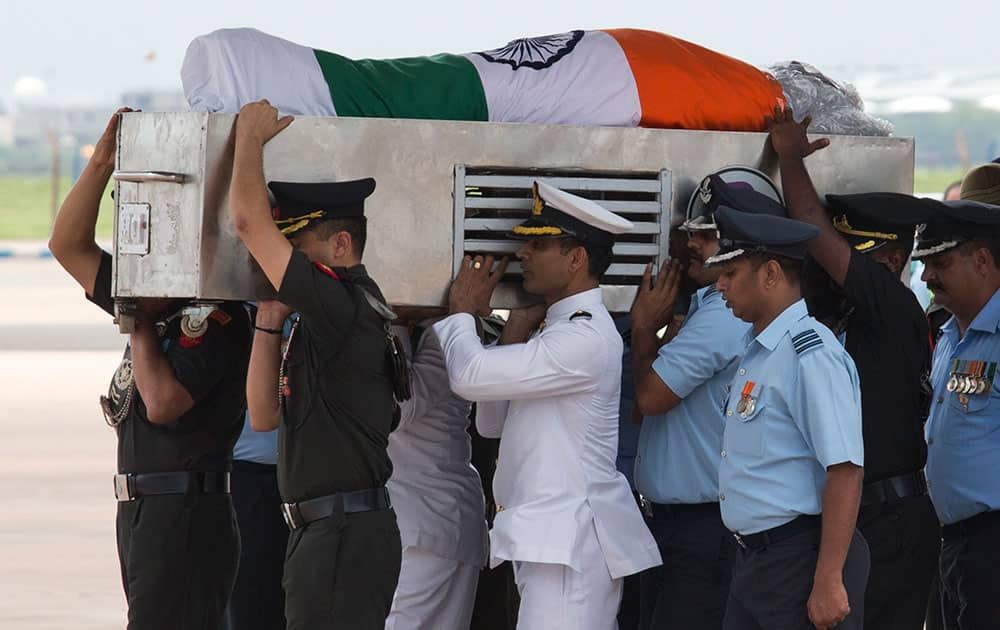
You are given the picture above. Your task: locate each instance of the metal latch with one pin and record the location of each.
(150, 176)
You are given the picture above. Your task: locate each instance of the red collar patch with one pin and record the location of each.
(327, 270)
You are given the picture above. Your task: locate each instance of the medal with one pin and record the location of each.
(989, 371)
(122, 379)
(746, 404)
(952, 385)
(117, 404)
(979, 382)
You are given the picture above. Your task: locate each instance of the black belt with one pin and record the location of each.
(304, 512)
(971, 526)
(767, 537)
(893, 489)
(680, 510)
(130, 486)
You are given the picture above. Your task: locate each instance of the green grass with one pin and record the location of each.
(25, 202)
(935, 180)
(25, 208)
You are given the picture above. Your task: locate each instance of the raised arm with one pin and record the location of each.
(249, 208)
(566, 358)
(265, 364)
(491, 415)
(72, 242)
(651, 311)
(165, 398)
(792, 145)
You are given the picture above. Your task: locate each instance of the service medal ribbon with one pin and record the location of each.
(746, 404)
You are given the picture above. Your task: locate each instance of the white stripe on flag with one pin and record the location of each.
(229, 68)
(591, 85)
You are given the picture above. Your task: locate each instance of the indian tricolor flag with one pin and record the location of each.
(621, 77)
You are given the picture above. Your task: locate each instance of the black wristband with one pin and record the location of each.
(270, 331)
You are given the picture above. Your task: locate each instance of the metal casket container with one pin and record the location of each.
(443, 188)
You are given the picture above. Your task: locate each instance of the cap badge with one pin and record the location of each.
(536, 209)
(705, 191)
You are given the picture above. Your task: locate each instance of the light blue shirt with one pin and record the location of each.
(679, 451)
(628, 431)
(963, 431)
(253, 446)
(805, 417)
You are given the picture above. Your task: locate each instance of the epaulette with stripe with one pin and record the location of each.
(806, 340)
(580, 315)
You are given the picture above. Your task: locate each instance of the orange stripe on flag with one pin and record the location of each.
(685, 86)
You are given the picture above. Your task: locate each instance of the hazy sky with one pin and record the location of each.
(91, 50)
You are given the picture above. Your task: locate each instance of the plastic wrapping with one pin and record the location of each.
(836, 108)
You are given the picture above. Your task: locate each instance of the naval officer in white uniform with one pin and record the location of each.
(567, 519)
(437, 495)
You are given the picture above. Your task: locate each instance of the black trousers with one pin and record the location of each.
(628, 611)
(497, 599)
(904, 539)
(178, 556)
(341, 572)
(771, 586)
(970, 588)
(258, 602)
(690, 589)
(935, 616)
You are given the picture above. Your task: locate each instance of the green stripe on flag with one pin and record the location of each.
(442, 87)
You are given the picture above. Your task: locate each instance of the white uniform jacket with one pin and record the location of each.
(437, 494)
(554, 403)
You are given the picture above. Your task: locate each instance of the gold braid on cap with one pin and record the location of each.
(841, 225)
(537, 231)
(294, 224)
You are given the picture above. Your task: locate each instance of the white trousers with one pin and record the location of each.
(433, 593)
(555, 597)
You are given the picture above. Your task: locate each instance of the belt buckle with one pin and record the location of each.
(123, 488)
(288, 512)
(740, 541)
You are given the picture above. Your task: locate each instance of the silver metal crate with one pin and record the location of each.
(442, 188)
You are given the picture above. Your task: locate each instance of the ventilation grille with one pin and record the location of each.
(491, 201)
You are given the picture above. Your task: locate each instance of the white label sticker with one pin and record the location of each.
(133, 228)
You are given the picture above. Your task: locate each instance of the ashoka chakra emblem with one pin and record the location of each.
(534, 52)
